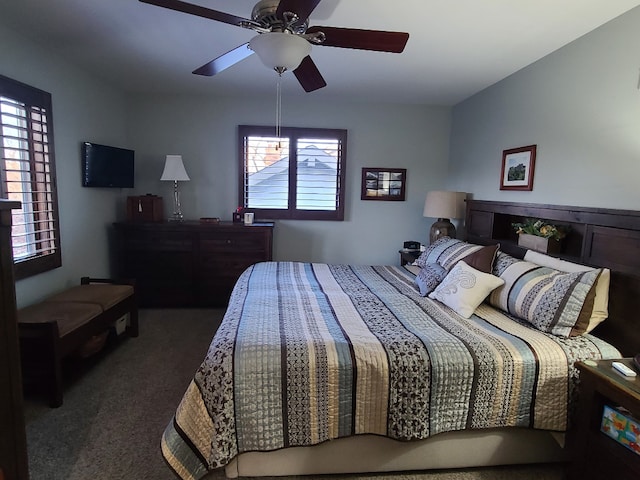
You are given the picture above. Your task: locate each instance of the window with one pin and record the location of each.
(297, 176)
(28, 176)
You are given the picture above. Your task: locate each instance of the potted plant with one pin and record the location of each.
(539, 235)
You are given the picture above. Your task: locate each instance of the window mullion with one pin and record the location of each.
(37, 193)
(293, 171)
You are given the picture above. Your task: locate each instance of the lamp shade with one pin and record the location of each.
(174, 169)
(443, 204)
(279, 50)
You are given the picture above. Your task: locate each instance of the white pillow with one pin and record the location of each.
(464, 288)
(601, 301)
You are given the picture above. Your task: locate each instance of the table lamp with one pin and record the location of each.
(444, 205)
(174, 171)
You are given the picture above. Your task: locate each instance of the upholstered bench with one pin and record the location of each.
(62, 324)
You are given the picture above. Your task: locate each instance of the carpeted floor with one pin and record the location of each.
(117, 404)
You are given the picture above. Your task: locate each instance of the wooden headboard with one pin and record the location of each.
(598, 237)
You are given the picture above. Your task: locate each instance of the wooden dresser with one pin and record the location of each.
(13, 443)
(188, 264)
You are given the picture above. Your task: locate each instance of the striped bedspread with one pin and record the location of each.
(312, 352)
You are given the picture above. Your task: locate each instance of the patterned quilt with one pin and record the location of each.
(312, 352)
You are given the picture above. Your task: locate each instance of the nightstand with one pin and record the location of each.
(594, 455)
(408, 256)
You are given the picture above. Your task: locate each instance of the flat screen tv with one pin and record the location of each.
(104, 166)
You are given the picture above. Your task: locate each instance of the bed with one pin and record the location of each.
(322, 368)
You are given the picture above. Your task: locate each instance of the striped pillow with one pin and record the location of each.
(446, 252)
(552, 301)
(601, 300)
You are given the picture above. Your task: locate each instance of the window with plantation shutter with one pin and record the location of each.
(298, 175)
(28, 176)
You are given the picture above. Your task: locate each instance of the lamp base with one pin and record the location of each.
(177, 209)
(176, 217)
(442, 228)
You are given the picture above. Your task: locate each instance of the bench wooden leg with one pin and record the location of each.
(55, 388)
(41, 359)
(132, 328)
(52, 363)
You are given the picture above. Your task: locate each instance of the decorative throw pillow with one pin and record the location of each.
(464, 288)
(552, 301)
(503, 261)
(429, 278)
(446, 252)
(431, 253)
(483, 258)
(600, 302)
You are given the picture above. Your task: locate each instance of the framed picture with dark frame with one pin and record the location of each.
(384, 184)
(518, 166)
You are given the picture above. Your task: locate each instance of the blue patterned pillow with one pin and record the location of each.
(446, 251)
(429, 278)
(552, 301)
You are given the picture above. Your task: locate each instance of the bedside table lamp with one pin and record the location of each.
(174, 171)
(443, 206)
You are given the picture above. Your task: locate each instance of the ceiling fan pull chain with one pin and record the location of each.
(278, 108)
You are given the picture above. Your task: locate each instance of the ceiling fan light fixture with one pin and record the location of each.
(280, 51)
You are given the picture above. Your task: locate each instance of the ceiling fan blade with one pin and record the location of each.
(199, 11)
(302, 8)
(224, 61)
(309, 76)
(376, 40)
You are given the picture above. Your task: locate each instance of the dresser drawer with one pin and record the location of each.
(235, 262)
(233, 242)
(159, 268)
(159, 241)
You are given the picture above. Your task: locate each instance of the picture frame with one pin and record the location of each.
(387, 184)
(518, 167)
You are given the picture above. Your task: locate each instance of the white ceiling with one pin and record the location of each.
(455, 49)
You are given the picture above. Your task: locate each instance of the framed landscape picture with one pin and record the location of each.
(383, 184)
(518, 165)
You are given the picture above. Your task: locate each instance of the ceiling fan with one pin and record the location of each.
(284, 37)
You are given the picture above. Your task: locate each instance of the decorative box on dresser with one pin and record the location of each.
(189, 264)
(13, 444)
(594, 454)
